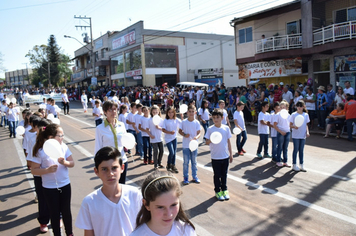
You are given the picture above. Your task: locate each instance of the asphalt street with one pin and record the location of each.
(265, 200)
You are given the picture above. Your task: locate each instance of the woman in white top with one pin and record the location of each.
(84, 100)
(110, 132)
(339, 97)
(170, 126)
(162, 189)
(55, 178)
(65, 101)
(297, 97)
(281, 124)
(13, 118)
(204, 115)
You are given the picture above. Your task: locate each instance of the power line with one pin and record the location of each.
(35, 5)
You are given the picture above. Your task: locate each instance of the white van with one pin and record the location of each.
(185, 85)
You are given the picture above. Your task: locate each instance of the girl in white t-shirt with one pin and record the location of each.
(55, 178)
(65, 101)
(162, 189)
(84, 100)
(170, 126)
(281, 124)
(123, 115)
(204, 115)
(299, 134)
(13, 118)
(155, 134)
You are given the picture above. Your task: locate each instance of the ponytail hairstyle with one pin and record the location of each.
(154, 185)
(301, 103)
(44, 133)
(122, 108)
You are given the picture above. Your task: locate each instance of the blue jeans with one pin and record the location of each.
(220, 168)
(263, 143)
(3, 119)
(172, 148)
(283, 142)
(12, 127)
(134, 134)
(205, 126)
(147, 146)
(139, 146)
(298, 146)
(240, 143)
(274, 148)
(189, 156)
(98, 122)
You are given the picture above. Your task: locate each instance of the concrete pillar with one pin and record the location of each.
(307, 23)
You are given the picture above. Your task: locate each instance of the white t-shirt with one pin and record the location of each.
(3, 110)
(145, 121)
(310, 105)
(93, 102)
(288, 96)
(154, 131)
(239, 117)
(179, 228)
(137, 120)
(59, 178)
(296, 99)
(263, 129)
(204, 115)
(98, 111)
(104, 137)
(122, 118)
(273, 130)
(130, 117)
(171, 125)
(301, 132)
(116, 100)
(52, 110)
(30, 138)
(200, 95)
(64, 97)
(84, 98)
(282, 124)
(224, 121)
(105, 217)
(191, 128)
(219, 151)
(350, 91)
(13, 114)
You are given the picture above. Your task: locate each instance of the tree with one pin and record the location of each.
(53, 59)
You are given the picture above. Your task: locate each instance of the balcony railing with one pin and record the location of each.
(332, 33)
(283, 42)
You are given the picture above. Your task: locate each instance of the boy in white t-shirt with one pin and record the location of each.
(111, 209)
(221, 154)
(190, 130)
(98, 113)
(263, 130)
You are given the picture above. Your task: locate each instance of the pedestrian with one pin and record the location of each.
(155, 133)
(13, 118)
(204, 115)
(162, 189)
(137, 121)
(3, 110)
(110, 132)
(65, 101)
(276, 109)
(309, 100)
(225, 120)
(144, 127)
(130, 121)
(190, 130)
(112, 208)
(98, 113)
(321, 108)
(170, 127)
(299, 134)
(221, 154)
(281, 124)
(123, 115)
(55, 178)
(239, 122)
(84, 100)
(264, 120)
(350, 110)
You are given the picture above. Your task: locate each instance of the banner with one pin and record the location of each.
(39, 98)
(125, 40)
(269, 69)
(345, 63)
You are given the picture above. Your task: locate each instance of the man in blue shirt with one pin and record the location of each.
(321, 107)
(331, 96)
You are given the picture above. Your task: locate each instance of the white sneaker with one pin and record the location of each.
(295, 167)
(302, 168)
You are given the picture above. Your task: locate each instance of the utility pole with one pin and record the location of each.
(91, 40)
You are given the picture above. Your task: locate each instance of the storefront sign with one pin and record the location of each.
(209, 71)
(345, 63)
(137, 77)
(98, 43)
(94, 80)
(124, 40)
(268, 69)
(133, 73)
(90, 73)
(212, 82)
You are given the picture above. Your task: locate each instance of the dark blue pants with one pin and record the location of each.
(205, 126)
(263, 143)
(43, 211)
(350, 128)
(240, 143)
(220, 168)
(12, 128)
(98, 122)
(122, 179)
(172, 148)
(147, 146)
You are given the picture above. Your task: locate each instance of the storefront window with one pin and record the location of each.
(321, 65)
(117, 64)
(133, 60)
(160, 57)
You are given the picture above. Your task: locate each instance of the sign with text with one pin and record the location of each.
(133, 73)
(127, 39)
(39, 98)
(345, 63)
(268, 69)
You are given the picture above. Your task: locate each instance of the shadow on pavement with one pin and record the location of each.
(202, 208)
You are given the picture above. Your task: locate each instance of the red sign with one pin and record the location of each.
(125, 40)
(133, 73)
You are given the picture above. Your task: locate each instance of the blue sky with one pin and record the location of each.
(26, 23)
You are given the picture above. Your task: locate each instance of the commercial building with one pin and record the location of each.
(147, 57)
(18, 78)
(298, 41)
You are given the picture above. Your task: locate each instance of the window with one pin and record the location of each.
(117, 64)
(294, 27)
(102, 53)
(160, 57)
(245, 35)
(133, 60)
(343, 15)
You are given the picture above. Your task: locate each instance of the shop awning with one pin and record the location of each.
(80, 55)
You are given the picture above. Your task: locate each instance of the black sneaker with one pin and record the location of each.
(174, 169)
(160, 166)
(169, 168)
